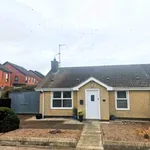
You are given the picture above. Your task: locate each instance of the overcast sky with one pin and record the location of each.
(95, 32)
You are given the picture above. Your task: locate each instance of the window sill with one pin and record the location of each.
(122, 109)
(61, 108)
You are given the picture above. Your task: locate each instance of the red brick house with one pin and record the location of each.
(19, 76)
(4, 77)
(39, 77)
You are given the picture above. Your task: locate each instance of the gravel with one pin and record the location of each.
(42, 133)
(126, 131)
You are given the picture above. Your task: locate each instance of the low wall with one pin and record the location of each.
(43, 142)
(114, 145)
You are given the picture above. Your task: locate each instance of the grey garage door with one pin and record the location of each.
(25, 102)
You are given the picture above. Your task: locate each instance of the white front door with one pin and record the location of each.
(92, 104)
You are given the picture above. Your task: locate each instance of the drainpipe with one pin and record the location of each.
(43, 104)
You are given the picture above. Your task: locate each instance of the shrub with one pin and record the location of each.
(80, 113)
(7, 91)
(8, 120)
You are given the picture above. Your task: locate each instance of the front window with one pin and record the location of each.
(26, 79)
(62, 99)
(6, 77)
(32, 80)
(16, 78)
(122, 100)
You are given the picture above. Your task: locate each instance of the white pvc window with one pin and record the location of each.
(122, 100)
(62, 100)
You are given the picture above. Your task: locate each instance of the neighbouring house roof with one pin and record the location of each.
(4, 69)
(21, 69)
(40, 75)
(113, 76)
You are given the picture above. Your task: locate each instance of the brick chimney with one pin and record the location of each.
(54, 65)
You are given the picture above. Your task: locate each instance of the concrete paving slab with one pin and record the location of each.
(91, 132)
(91, 137)
(90, 148)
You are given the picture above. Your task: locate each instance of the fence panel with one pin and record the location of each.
(25, 102)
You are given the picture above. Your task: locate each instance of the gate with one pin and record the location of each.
(25, 102)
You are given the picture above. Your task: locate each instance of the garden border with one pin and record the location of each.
(108, 145)
(53, 142)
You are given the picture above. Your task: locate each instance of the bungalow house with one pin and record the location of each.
(38, 76)
(98, 91)
(20, 76)
(4, 77)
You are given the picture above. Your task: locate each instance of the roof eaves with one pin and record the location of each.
(53, 89)
(131, 88)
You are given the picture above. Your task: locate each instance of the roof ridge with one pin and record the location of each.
(24, 71)
(2, 67)
(39, 73)
(106, 65)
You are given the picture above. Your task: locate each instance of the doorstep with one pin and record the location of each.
(33, 118)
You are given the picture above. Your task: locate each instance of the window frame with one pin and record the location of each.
(26, 79)
(61, 99)
(127, 98)
(16, 77)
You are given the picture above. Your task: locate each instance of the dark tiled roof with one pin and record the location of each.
(21, 69)
(115, 76)
(38, 74)
(4, 69)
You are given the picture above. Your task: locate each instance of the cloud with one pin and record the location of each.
(95, 32)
